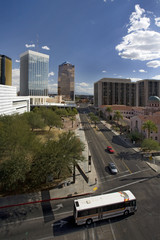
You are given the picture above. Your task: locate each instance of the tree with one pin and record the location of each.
(150, 144)
(13, 172)
(117, 116)
(51, 119)
(149, 126)
(94, 118)
(18, 145)
(109, 110)
(57, 158)
(61, 112)
(34, 120)
(135, 136)
(15, 136)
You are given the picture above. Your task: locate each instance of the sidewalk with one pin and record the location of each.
(69, 189)
(80, 186)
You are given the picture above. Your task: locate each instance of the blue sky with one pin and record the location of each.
(102, 38)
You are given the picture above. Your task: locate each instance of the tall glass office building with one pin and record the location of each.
(34, 67)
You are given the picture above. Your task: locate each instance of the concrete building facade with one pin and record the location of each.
(10, 103)
(111, 91)
(5, 70)
(34, 68)
(66, 84)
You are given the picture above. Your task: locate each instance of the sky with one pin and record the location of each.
(102, 38)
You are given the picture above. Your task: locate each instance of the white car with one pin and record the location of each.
(112, 168)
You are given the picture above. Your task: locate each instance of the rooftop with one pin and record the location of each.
(154, 98)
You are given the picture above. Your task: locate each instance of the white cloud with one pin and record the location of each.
(142, 71)
(134, 70)
(157, 22)
(140, 43)
(16, 77)
(17, 61)
(106, 1)
(50, 74)
(137, 21)
(30, 45)
(153, 64)
(135, 79)
(84, 88)
(52, 86)
(81, 90)
(104, 71)
(83, 84)
(157, 77)
(45, 47)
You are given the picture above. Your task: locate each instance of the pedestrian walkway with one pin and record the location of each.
(67, 188)
(80, 186)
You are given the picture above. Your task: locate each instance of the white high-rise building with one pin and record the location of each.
(34, 68)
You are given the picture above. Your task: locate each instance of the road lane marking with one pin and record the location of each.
(138, 167)
(128, 175)
(113, 234)
(45, 238)
(34, 219)
(110, 178)
(126, 166)
(129, 184)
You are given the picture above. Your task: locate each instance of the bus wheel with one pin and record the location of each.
(126, 212)
(89, 221)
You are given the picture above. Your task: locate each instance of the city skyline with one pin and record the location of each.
(102, 38)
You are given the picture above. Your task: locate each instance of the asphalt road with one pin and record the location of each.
(55, 220)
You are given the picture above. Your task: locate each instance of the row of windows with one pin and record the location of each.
(106, 208)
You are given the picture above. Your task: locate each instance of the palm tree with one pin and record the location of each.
(117, 116)
(109, 110)
(149, 126)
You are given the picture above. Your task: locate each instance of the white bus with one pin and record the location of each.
(95, 208)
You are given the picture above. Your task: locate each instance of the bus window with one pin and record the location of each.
(93, 211)
(83, 213)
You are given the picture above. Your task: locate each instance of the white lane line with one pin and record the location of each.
(115, 178)
(130, 174)
(113, 234)
(138, 167)
(93, 235)
(50, 237)
(34, 219)
(111, 176)
(129, 184)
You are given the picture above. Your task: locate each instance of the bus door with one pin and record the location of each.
(100, 214)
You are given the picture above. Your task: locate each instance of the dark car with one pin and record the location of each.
(112, 168)
(109, 148)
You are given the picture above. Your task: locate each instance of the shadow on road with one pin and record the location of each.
(117, 140)
(129, 156)
(46, 207)
(68, 225)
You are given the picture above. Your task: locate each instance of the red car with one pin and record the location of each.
(109, 148)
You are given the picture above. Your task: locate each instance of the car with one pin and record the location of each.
(112, 168)
(109, 148)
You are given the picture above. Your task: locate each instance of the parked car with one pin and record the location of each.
(109, 148)
(112, 168)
